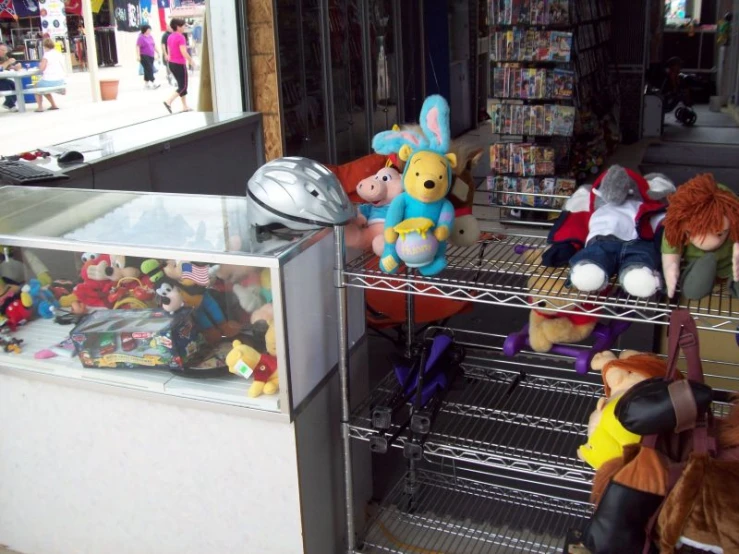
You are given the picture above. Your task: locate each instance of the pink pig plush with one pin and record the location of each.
(378, 191)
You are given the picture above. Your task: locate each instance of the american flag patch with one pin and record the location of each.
(196, 273)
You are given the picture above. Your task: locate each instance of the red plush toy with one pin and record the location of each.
(16, 313)
(95, 286)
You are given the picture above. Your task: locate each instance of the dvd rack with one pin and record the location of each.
(497, 472)
(548, 59)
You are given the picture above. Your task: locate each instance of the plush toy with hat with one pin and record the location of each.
(466, 228)
(547, 328)
(421, 218)
(702, 228)
(609, 229)
(606, 436)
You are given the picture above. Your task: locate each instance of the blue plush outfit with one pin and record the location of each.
(405, 207)
(209, 313)
(374, 214)
(435, 139)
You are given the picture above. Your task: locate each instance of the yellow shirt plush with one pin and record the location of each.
(608, 438)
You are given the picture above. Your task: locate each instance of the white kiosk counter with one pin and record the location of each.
(124, 431)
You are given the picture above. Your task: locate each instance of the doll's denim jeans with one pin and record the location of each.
(613, 255)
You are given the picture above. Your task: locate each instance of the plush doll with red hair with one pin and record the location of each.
(702, 226)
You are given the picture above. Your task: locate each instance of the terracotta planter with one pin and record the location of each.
(109, 89)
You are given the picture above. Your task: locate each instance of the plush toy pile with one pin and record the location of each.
(642, 229)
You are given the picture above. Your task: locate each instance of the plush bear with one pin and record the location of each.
(420, 219)
(701, 226)
(606, 436)
(547, 328)
(378, 191)
(246, 361)
(466, 228)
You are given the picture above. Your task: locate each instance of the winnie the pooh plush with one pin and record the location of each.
(246, 361)
(547, 328)
(419, 220)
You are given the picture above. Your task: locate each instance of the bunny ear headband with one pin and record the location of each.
(435, 126)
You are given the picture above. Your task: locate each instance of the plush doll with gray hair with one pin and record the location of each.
(609, 229)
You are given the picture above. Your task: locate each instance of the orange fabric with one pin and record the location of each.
(349, 174)
(392, 307)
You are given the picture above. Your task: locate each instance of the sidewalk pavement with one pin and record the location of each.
(78, 116)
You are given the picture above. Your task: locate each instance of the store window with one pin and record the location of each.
(105, 84)
(674, 10)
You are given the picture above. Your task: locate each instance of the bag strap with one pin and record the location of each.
(683, 334)
(683, 404)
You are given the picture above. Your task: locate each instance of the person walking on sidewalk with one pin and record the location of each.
(145, 52)
(53, 74)
(178, 57)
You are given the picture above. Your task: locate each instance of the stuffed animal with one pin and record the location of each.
(246, 361)
(15, 312)
(119, 270)
(378, 191)
(39, 298)
(420, 219)
(95, 286)
(131, 289)
(547, 328)
(466, 228)
(609, 229)
(606, 436)
(701, 226)
(186, 291)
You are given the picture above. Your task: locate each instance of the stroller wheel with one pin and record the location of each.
(686, 116)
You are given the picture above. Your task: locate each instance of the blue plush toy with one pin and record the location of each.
(41, 299)
(420, 219)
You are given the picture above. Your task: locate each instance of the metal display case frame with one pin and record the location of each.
(36, 219)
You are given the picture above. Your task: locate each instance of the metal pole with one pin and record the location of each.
(409, 317)
(343, 321)
(369, 81)
(91, 49)
(398, 84)
(329, 121)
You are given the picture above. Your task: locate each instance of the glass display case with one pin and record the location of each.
(174, 294)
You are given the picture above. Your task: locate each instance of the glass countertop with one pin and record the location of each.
(192, 223)
(141, 135)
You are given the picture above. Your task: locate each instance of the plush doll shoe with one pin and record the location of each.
(588, 277)
(641, 282)
(698, 278)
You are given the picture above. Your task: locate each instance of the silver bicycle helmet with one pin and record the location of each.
(297, 193)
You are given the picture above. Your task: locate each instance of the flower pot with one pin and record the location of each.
(109, 89)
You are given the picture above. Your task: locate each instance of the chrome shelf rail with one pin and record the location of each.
(454, 514)
(495, 272)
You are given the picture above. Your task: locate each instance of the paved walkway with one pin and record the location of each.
(78, 116)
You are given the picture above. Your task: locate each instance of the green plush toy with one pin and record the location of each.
(701, 227)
